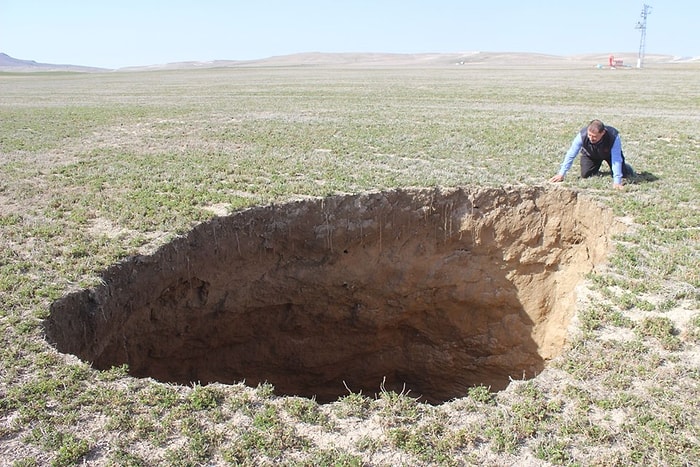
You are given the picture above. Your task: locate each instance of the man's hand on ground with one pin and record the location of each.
(556, 178)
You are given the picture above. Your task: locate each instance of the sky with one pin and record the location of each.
(120, 33)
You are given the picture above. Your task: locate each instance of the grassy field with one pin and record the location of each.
(97, 167)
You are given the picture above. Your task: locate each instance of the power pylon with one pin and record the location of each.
(642, 25)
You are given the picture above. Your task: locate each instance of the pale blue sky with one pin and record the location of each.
(119, 33)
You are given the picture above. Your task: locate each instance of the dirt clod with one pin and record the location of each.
(427, 290)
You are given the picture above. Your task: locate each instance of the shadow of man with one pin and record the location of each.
(645, 177)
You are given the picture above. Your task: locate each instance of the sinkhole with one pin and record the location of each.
(427, 290)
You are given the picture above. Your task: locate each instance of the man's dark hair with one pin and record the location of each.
(596, 125)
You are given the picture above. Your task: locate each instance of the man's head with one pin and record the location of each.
(596, 130)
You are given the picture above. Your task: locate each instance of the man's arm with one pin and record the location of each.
(616, 160)
(571, 154)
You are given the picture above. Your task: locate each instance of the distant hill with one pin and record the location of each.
(318, 59)
(358, 60)
(8, 63)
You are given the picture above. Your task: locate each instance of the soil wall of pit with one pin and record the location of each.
(434, 290)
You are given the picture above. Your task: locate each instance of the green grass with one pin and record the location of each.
(97, 167)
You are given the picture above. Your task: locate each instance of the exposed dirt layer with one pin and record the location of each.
(427, 290)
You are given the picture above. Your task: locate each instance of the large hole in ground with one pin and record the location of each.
(428, 290)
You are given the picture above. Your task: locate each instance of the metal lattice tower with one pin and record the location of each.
(642, 25)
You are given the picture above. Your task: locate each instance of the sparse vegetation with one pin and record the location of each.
(97, 167)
